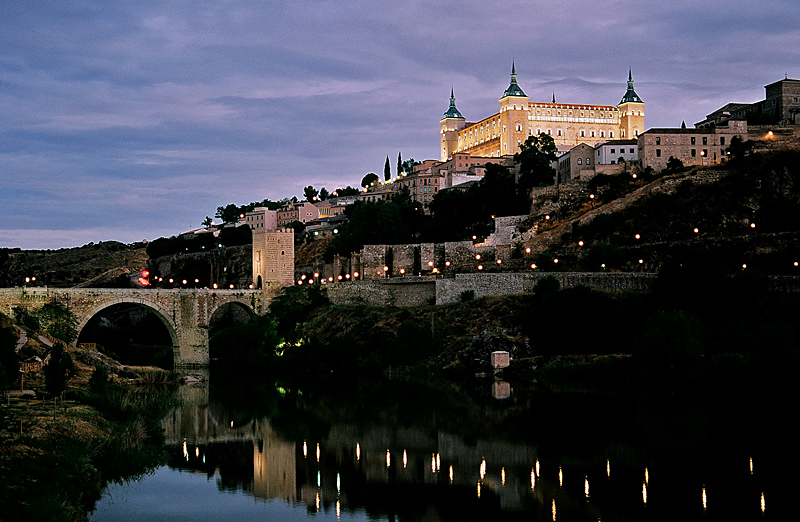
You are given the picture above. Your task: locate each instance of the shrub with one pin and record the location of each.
(466, 295)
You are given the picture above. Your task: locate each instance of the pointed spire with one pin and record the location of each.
(452, 112)
(630, 94)
(513, 88)
(554, 96)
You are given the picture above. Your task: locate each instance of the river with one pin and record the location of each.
(478, 451)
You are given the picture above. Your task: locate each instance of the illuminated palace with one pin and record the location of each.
(568, 124)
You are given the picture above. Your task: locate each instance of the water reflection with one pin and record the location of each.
(356, 468)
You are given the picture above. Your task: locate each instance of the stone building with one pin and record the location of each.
(781, 106)
(273, 257)
(569, 124)
(694, 147)
(576, 164)
(262, 218)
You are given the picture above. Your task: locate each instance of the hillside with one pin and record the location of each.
(104, 264)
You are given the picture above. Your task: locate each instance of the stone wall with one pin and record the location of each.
(404, 292)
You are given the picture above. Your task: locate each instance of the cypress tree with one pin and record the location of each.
(387, 170)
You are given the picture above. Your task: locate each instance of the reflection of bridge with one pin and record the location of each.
(186, 313)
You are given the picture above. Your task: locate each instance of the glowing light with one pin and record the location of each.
(696, 231)
(305, 449)
(231, 286)
(196, 280)
(299, 282)
(477, 257)
(184, 281)
(752, 225)
(479, 490)
(145, 273)
(586, 486)
(316, 502)
(388, 458)
(591, 196)
(533, 266)
(340, 278)
(316, 275)
(554, 510)
(499, 261)
(580, 243)
(763, 505)
(438, 462)
(331, 279)
(637, 236)
(319, 479)
(502, 476)
(705, 499)
(537, 467)
(433, 463)
(646, 476)
(533, 480)
(451, 474)
(555, 261)
(483, 468)
(358, 451)
(402, 270)
(795, 263)
(338, 510)
(251, 286)
(560, 477)
(196, 451)
(405, 459)
(170, 280)
(608, 468)
(634, 176)
(385, 268)
(641, 261)
(317, 451)
(338, 484)
(347, 276)
(447, 263)
(744, 265)
(430, 263)
(602, 265)
(770, 134)
(474, 238)
(480, 267)
(644, 493)
(751, 465)
(528, 250)
(231, 424)
(547, 217)
(185, 452)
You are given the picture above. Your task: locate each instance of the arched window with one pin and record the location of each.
(580, 161)
(558, 132)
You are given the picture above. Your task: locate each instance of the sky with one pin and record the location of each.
(132, 120)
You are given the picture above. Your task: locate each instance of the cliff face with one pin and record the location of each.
(223, 266)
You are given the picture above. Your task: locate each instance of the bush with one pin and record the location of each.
(466, 295)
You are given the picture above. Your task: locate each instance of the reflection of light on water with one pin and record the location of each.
(533, 480)
(762, 502)
(316, 501)
(319, 479)
(483, 468)
(338, 485)
(644, 493)
(196, 451)
(560, 477)
(388, 458)
(479, 490)
(705, 499)
(338, 510)
(503, 476)
(438, 462)
(185, 453)
(433, 463)
(317, 451)
(451, 474)
(646, 476)
(537, 467)
(554, 510)
(608, 468)
(358, 451)
(586, 486)
(405, 459)
(751, 465)
(305, 449)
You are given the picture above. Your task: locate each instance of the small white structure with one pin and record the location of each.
(499, 360)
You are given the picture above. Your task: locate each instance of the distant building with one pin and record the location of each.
(296, 211)
(780, 107)
(610, 152)
(694, 147)
(576, 164)
(262, 218)
(569, 124)
(273, 258)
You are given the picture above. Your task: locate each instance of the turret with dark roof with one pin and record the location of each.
(452, 112)
(513, 89)
(630, 95)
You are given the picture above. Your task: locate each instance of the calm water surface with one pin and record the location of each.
(488, 452)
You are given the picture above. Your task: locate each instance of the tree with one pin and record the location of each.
(370, 178)
(9, 366)
(409, 164)
(387, 170)
(208, 222)
(535, 160)
(674, 164)
(58, 321)
(58, 371)
(310, 193)
(324, 194)
(228, 214)
(347, 191)
(399, 164)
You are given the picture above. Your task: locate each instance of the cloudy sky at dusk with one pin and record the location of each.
(132, 120)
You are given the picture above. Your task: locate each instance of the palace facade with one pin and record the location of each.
(568, 124)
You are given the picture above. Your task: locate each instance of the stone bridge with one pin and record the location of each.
(186, 313)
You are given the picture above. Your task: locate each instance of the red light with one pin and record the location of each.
(145, 273)
(144, 282)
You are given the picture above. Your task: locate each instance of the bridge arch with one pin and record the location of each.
(162, 314)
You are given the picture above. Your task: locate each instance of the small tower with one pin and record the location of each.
(513, 116)
(631, 109)
(273, 259)
(451, 123)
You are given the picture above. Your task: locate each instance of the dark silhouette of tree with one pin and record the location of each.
(310, 193)
(399, 164)
(347, 191)
(387, 170)
(674, 164)
(58, 371)
(228, 214)
(9, 366)
(409, 164)
(535, 161)
(58, 321)
(370, 178)
(208, 222)
(324, 194)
